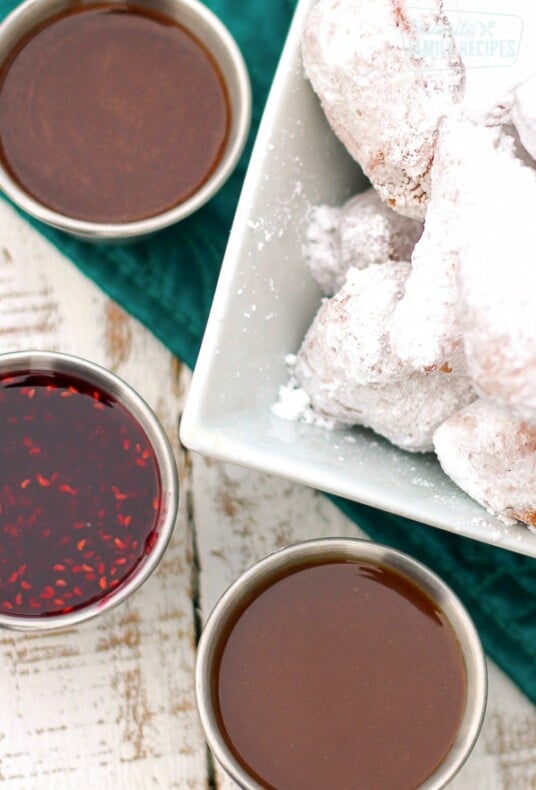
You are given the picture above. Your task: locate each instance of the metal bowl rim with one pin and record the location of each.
(142, 413)
(241, 110)
(297, 555)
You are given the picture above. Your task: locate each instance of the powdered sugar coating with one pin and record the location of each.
(361, 232)
(425, 330)
(497, 273)
(351, 376)
(524, 114)
(491, 78)
(473, 271)
(381, 100)
(492, 457)
(467, 302)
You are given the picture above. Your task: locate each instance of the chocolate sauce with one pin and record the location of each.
(341, 675)
(79, 494)
(111, 113)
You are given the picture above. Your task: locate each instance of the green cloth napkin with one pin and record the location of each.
(168, 282)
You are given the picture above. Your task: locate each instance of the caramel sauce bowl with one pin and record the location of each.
(214, 36)
(284, 561)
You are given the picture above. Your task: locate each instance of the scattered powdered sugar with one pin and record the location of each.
(479, 522)
(295, 404)
(422, 482)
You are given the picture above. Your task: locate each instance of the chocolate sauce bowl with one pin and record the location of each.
(118, 118)
(340, 663)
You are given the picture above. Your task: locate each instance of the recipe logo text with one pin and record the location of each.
(483, 40)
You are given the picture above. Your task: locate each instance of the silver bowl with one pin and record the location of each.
(324, 550)
(111, 384)
(208, 29)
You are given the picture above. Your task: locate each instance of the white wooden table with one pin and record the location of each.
(110, 704)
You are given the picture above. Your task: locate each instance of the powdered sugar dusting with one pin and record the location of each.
(497, 276)
(401, 349)
(362, 232)
(382, 100)
(295, 404)
(348, 369)
(493, 458)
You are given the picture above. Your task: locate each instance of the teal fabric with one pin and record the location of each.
(168, 281)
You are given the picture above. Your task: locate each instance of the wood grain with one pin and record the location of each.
(110, 704)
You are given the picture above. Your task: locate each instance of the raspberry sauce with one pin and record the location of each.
(80, 494)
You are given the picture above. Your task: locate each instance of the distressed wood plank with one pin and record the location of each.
(109, 704)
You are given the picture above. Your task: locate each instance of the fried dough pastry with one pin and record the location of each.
(425, 331)
(379, 94)
(362, 231)
(467, 300)
(497, 275)
(346, 366)
(492, 457)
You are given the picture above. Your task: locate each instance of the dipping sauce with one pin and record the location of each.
(341, 675)
(79, 494)
(111, 113)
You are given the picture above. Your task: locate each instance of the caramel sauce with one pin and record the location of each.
(111, 113)
(341, 675)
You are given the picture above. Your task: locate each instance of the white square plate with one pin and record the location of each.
(264, 303)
